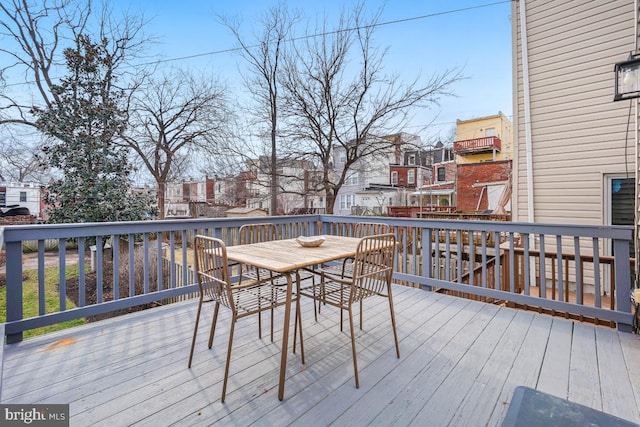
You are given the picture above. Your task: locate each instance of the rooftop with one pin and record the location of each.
(460, 362)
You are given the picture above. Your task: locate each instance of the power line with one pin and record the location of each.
(380, 24)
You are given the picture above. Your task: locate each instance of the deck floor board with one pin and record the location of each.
(460, 362)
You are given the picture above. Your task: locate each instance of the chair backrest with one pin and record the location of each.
(363, 229)
(373, 265)
(212, 269)
(256, 233)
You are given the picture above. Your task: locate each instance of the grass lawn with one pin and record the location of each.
(52, 303)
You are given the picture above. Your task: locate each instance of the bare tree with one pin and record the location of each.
(264, 55)
(173, 117)
(18, 158)
(33, 35)
(21, 164)
(337, 94)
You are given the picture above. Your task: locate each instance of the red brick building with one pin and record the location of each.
(475, 181)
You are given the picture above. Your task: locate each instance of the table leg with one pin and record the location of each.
(298, 319)
(285, 338)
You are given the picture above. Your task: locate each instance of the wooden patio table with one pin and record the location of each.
(286, 257)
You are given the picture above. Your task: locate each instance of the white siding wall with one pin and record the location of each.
(578, 133)
(32, 194)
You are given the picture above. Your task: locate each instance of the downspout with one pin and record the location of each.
(636, 216)
(527, 110)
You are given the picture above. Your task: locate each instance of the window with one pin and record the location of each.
(619, 207)
(621, 202)
(347, 200)
(3, 199)
(23, 196)
(352, 179)
(490, 132)
(394, 178)
(411, 176)
(343, 158)
(441, 174)
(412, 159)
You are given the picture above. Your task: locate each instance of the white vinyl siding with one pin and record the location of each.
(578, 133)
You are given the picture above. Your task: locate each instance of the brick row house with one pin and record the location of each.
(484, 153)
(473, 174)
(376, 183)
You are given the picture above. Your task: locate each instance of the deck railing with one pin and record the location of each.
(487, 143)
(434, 254)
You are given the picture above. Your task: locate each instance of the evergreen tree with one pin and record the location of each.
(94, 183)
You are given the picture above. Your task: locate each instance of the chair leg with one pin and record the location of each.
(313, 286)
(298, 321)
(272, 296)
(271, 324)
(213, 324)
(341, 310)
(313, 292)
(260, 312)
(353, 347)
(297, 326)
(195, 332)
(259, 321)
(226, 366)
(393, 322)
(360, 314)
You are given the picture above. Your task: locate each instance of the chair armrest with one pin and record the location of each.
(333, 277)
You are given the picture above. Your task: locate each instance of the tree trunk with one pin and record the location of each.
(331, 201)
(161, 190)
(274, 175)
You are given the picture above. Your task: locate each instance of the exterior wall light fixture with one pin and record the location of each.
(627, 78)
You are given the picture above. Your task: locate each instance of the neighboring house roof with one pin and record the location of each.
(437, 185)
(378, 190)
(435, 192)
(241, 211)
(244, 210)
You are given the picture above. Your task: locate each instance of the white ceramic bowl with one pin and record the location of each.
(310, 241)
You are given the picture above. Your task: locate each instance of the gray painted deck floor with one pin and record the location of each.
(460, 363)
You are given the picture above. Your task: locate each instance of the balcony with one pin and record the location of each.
(487, 144)
(417, 211)
(463, 349)
(460, 361)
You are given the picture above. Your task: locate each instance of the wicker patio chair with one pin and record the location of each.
(243, 299)
(361, 229)
(372, 273)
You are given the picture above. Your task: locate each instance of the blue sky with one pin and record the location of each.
(472, 35)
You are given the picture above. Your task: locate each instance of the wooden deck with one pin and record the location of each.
(460, 363)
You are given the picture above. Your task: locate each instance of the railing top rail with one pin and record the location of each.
(600, 231)
(17, 233)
